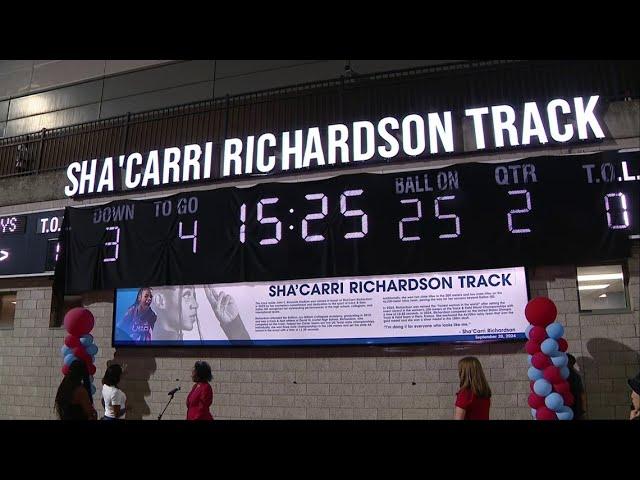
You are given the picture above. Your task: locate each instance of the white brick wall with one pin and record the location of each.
(363, 383)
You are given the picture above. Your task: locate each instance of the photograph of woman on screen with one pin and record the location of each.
(177, 310)
(138, 322)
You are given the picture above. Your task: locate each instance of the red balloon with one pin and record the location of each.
(532, 347)
(536, 401)
(65, 369)
(92, 369)
(537, 334)
(552, 374)
(561, 387)
(562, 345)
(540, 312)
(81, 353)
(78, 321)
(71, 341)
(543, 413)
(539, 360)
(568, 398)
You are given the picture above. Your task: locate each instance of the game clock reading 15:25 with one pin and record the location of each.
(534, 211)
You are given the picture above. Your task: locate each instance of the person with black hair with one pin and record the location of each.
(177, 310)
(114, 400)
(634, 383)
(73, 398)
(138, 322)
(579, 406)
(201, 396)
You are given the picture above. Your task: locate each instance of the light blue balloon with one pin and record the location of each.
(560, 360)
(533, 413)
(91, 349)
(529, 358)
(534, 374)
(86, 339)
(65, 350)
(542, 387)
(564, 372)
(527, 330)
(565, 413)
(69, 358)
(549, 346)
(555, 330)
(554, 401)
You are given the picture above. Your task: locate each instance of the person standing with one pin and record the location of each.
(114, 400)
(473, 399)
(579, 406)
(73, 398)
(201, 396)
(634, 383)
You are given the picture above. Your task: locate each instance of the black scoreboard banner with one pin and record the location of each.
(536, 211)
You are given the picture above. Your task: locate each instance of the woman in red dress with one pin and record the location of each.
(201, 396)
(473, 400)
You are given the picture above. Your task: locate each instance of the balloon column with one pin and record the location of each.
(78, 344)
(550, 397)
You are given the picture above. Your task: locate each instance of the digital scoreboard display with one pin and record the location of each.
(535, 211)
(13, 224)
(27, 241)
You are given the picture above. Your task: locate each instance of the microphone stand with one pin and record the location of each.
(165, 407)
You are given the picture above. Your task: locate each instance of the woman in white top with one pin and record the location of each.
(113, 399)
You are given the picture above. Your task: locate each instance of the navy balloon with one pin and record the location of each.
(554, 401)
(560, 360)
(527, 330)
(549, 346)
(93, 389)
(92, 349)
(555, 330)
(534, 374)
(564, 372)
(542, 387)
(86, 339)
(69, 358)
(565, 413)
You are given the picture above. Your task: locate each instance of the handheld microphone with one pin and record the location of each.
(173, 392)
